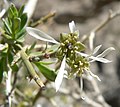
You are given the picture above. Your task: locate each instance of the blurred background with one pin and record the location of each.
(87, 14)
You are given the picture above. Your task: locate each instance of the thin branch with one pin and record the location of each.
(111, 16)
(43, 19)
(9, 87)
(100, 98)
(14, 83)
(38, 94)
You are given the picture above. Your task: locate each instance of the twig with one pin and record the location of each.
(111, 16)
(53, 102)
(100, 98)
(78, 97)
(9, 87)
(38, 94)
(14, 83)
(43, 19)
(90, 101)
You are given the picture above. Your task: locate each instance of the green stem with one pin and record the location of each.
(31, 69)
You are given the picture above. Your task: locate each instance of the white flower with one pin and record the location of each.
(43, 36)
(61, 72)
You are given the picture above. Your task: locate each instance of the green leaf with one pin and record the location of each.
(15, 68)
(46, 63)
(15, 12)
(10, 13)
(35, 54)
(48, 73)
(20, 34)
(28, 51)
(63, 37)
(16, 24)
(23, 20)
(10, 57)
(80, 46)
(21, 11)
(21, 39)
(7, 26)
(53, 48)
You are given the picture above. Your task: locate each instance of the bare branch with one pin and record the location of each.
(111, 16)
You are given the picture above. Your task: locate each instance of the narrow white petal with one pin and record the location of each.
(81, 84)
(96, 49)
(91, 40)
(107, 51)
(95, 76)
(40, 35)
(103, 60)
(83, 54)
(72, 27)
(60, 75)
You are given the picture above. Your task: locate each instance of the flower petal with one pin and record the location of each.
(96, 49)
(91, 40)
(40, 35)
(82, 54)
(72, 27)
(60, 75)
(107, 51)
(103, 60)
(93, 75)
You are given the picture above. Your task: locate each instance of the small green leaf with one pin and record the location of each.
(48, 73)
(20, 34)
(14, 10)
(15, 68)
(21, 11)
(31, 48)
(46, 63)
(16, 24)
(10, 57)
(63, 37)
(21, 39)
(7, 26)
(10, 13)
(35, 54)
(23, 20)
(80, 46)
(53, 48)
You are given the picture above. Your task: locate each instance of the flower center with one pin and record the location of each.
(69, 46)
